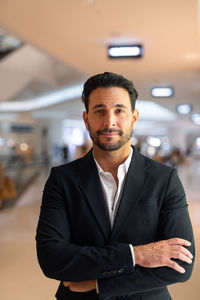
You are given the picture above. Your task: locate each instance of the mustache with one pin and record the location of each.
(109, 130)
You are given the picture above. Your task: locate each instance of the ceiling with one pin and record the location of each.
(71, 39)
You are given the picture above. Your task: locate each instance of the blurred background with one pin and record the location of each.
(48, 49)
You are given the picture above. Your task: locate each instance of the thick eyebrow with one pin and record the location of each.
(120, 105)
(98, 105)
(103, 105)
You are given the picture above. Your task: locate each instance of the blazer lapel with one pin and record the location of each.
(91, 187)
(136, 181)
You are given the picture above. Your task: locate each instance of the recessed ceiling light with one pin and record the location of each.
(195, 119)
(184, 109)
(133, 51)
(162, 92)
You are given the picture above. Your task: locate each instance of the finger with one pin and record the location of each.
(66, 283)
(182, 250)
(74, 287)
(180, 256)
(172, 264)
(179, 241)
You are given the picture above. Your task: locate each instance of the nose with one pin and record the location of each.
(110, 120)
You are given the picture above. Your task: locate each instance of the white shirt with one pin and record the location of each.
(112, 193)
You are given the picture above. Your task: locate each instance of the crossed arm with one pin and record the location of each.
(156, 264)
(152, 255)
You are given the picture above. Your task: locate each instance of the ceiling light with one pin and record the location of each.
(125, 51)
(184, 109)
(195, 119)
(162, 92)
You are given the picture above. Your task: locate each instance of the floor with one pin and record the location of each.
(20, 275)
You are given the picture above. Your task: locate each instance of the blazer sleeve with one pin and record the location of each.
(62, 260)
(174, 222)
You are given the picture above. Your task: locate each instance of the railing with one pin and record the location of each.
(22, 174)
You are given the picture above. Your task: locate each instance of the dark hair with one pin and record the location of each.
(108, 79)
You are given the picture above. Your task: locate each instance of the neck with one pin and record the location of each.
(110, 160)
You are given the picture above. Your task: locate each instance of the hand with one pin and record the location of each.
(159, 254)
(81, 286)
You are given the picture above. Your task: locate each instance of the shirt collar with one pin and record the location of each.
(123, 166)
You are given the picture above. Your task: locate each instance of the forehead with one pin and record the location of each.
(109, 96)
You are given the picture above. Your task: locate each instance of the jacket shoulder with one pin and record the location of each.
(75, 165)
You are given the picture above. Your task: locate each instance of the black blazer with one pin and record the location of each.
(75, 241)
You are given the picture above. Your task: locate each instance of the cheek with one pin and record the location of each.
(95, 123)
(125, 123)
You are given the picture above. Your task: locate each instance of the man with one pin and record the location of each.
(114, 223)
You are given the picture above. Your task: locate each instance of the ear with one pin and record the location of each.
(85, 118)
(135, 117)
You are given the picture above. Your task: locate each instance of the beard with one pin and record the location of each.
(108, 145)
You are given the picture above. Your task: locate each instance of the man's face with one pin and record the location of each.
(110, 120)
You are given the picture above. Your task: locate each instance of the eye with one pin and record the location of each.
(119, 111)
(99, 111)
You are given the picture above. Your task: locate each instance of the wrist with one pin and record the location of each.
(137, 255)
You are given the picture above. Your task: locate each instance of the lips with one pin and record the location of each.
(110, 132)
